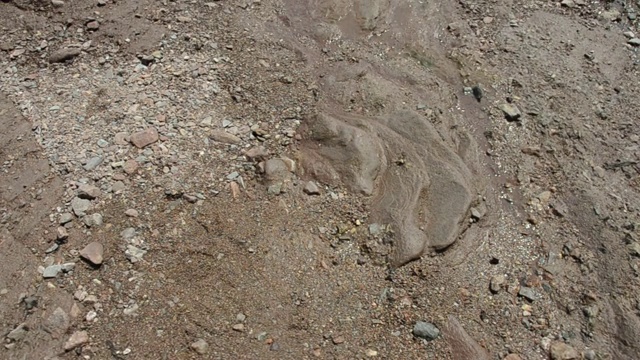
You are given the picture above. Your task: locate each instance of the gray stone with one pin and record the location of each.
(511, 112)
(118, 187)
(527, 293)
(103, 143)
(311, 188)
(634, 42)
(634, 249)
(425, 330)
(52, 248)
(18, 333)
(93, 220)
(65, 218)
(51, 271)
(200, 346)
(128, 233)
(131, 309)
(134, 254)
(375, 229)
(93, 253)
(233, 175)
(89, 192)
(57, 323)
(78, 338)
(66, 267)
(93, 163)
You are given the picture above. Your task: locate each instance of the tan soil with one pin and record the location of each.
(214, 247)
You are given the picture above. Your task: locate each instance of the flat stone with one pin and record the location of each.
(57, 3)
(311, 188)
(513, 357)
(511, 112)
(634, 42)
(93, 253)
(200, 346)
(64, 54)
(18, 333)
(425, 330)
(118, 187)
(121, 138)
(131, 213)
(224, 137)
(93, 220)
(128, 233)
(89, 192)
(78, 338)
(93, 163)
(145, 137)
(51, 271)
(527, 293)
(57, 323)
(562, 351)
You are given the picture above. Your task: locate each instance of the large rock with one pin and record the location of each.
(63, 55)
(89, 192)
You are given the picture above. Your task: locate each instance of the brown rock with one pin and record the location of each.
(562, 351)
(513, 357)
(145, 137)
(235, 189)
(257, 153)
(90, 192)
(131, 212)
(462, 344)
(224, 137)
(130, 166)
(63, 55)
(78, 338)
(93, 253)
(93, 26)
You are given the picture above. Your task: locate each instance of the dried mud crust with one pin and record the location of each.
(211, 251)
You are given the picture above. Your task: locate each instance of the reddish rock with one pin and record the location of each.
(145, 137)
(93, 253)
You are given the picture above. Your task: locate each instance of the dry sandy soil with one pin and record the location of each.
(300, 179)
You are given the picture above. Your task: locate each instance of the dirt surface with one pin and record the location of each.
(287, 179)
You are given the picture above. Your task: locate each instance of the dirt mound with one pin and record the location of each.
(419, 183)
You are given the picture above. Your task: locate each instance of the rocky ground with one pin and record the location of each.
(288, 179)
